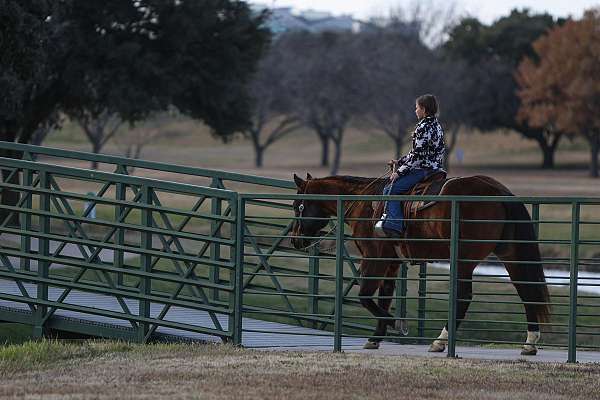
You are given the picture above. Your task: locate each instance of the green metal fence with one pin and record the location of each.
(211, 250)
(318, 289)
(139, 245)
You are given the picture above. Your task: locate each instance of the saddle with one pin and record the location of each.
(432, 185)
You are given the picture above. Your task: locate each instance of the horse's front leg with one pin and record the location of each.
(366, 292)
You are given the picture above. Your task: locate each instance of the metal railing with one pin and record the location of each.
(138, 245)
(160, 235)
(173, 172)
(318, 289)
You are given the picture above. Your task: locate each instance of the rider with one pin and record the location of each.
(426, 157)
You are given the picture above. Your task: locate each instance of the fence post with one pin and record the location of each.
(43, 251)
(535, 215)
(215, 248)
(401, 289)
(422, 300)
(452, 286)
(574, 267)
(145, 263)
(25, 263)
(118, 254)
(238, 206)
(339, 277)
(313, 282)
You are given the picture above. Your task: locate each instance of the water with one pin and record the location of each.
(588, 282)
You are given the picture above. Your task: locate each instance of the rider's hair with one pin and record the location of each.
(429, 103)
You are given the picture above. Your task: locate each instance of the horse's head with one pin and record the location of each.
(307, 209)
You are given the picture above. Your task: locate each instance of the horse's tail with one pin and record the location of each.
(530, 268)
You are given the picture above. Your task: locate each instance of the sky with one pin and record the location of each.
(486, 10)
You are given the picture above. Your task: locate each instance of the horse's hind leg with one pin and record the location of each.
(464, 296)
(533, 295)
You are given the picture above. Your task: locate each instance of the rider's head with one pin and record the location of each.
(426, 106)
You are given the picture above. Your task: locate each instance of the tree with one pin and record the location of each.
(493, 52)
(132, 58)
(99, 130)
(395, 69)
(560, 87)
(273, 114)
(28, 44)
(325, 87)
(154, 128)
(129, 58)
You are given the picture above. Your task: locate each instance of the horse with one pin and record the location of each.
(511, 240)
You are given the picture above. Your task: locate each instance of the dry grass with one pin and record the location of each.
(508, 157)
(222, 372)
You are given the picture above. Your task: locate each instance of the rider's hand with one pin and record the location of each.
(394, 176)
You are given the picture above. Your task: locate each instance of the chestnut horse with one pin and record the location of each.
(521, 257)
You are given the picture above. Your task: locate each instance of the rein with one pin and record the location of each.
(352, 204)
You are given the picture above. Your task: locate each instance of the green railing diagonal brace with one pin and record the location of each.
(82, 271)
(92, 258)
(199, 292)
(353, 281)
(264, 261)
(186, 275)
(268, 254)
(22, 200)
(22, 289)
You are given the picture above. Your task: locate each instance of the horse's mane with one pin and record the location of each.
(363, 185)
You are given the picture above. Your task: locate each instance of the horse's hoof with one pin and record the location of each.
(529, 351)
(371, 345)
(437, 347)
(402, 327)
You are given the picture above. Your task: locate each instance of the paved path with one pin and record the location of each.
(409, 350)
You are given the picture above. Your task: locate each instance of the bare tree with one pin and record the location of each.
(42, 131)
(132, 141)
(326, 90)
(99, 129)
(431, 20)
(273, 117)
(395, 69)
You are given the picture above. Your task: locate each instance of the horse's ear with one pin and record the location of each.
(308, 176)
(299, 182)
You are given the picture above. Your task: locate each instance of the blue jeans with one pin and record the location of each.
(393, 209)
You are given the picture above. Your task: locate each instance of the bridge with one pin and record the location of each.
(105, 253)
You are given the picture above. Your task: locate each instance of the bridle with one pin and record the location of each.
(346, 212)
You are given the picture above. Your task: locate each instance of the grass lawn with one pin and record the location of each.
(107, 370)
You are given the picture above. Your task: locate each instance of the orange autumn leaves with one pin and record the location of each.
(561, 90)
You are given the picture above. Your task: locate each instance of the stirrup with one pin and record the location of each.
(378, 229)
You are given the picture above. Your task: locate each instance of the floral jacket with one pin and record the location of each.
(428, 147)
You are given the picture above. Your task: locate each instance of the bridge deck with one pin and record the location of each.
(282, 336)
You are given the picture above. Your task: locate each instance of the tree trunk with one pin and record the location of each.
(258, 152)
(96, 147)
(548, 162)
(548, 151)
(324, 150)
(336, 157)
(398, 143)
(594, 149)
(337, 139)
(449, 146)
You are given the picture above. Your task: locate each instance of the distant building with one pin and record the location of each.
(283, 19)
